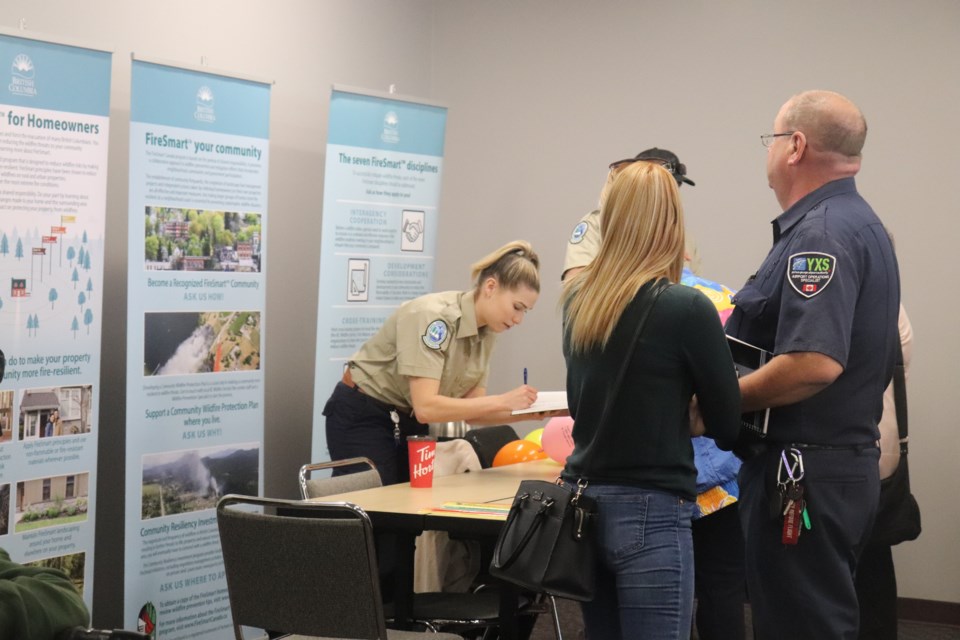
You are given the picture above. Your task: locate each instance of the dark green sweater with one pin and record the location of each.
(37, 603)
(681, 352)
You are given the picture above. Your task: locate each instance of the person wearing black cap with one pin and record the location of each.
(719, 577)
(584, 242)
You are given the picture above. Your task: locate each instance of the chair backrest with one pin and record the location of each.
(320, 487)
(83, 633)
(308, 569)
(487, 441)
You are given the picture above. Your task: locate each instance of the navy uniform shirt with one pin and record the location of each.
(830, 285)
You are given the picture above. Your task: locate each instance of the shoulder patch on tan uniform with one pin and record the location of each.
(436, 333)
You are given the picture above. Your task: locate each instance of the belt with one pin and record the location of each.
(822, 447)
(347, 379)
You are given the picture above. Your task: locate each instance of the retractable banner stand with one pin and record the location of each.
(54, 123)
(380, 213)
(199, 152)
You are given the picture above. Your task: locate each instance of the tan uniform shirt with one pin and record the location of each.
(584, 243)
(433, 336)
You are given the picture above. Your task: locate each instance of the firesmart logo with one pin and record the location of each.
(22, 80)
(204, 111)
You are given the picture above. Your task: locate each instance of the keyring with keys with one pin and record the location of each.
(790, 469)
(794, 508)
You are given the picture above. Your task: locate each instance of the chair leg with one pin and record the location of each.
(556, 618)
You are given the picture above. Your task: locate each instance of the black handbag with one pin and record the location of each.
(547, 544)
(898, 514)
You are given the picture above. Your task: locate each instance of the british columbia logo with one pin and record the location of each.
(22, 81)
(204, 111)
(435, 334)
(809, 273)
(391, 128)
(578, 232)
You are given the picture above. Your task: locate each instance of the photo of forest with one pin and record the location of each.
(72, 564)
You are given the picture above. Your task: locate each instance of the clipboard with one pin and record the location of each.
(747, 358)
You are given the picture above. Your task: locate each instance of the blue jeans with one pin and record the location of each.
(645, 565)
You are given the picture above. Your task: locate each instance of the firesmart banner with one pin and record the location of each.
(54, 125)
(380, 213)
(199, 153)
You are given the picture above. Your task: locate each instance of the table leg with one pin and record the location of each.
(403, 584)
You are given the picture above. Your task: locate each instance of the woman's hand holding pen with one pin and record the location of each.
(520, 398)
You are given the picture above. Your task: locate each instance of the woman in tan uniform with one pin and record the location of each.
(429, 362)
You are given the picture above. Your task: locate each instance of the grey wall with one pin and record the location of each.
(543, 94)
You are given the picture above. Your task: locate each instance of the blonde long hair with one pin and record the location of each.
(512, 265)
(642, 239)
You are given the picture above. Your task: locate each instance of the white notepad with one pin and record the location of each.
(546, 401)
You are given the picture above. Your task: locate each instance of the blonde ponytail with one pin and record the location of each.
(513, 265)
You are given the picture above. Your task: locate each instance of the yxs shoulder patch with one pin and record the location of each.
(809, 273)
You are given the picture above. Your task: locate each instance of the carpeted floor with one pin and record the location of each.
(571, 624)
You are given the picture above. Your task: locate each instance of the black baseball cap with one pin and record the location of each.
(669, 160)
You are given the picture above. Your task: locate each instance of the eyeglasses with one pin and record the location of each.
(767, 138)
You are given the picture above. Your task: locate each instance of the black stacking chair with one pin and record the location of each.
(487, 441)
(311, 571)
(436, 611)
(320, 487)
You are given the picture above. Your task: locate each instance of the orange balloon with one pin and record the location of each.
(518, 451)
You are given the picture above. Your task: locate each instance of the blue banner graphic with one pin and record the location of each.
(54, 126)
(380, 215)
(199, 154)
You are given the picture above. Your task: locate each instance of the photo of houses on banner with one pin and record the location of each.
(51, 501)
(48, 412)
(197, 240)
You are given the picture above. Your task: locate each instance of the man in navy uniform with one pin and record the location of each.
(825, 302)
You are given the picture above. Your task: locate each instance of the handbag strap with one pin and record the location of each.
(658, 287)
(511, 520)
(900, 397)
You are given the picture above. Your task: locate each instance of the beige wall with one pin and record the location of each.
(542, 94)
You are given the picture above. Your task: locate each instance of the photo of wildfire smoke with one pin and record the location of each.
(194, 479)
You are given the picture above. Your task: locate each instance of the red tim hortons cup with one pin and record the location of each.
(423, 452)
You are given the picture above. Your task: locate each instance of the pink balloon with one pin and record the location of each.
(557, 439)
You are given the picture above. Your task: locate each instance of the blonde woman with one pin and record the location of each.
(640, 468)
(429, 362)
